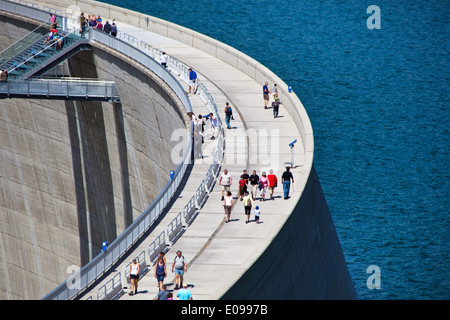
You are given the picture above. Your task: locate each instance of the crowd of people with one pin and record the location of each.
(249, 187)
(94, 21)
(53, 36)
(179, 267)
(276, 99)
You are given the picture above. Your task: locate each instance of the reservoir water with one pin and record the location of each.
(379, 102)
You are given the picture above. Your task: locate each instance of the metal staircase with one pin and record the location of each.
(32, 55)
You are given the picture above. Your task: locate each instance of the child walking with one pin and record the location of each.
(257, 213)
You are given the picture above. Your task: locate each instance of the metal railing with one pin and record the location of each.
(143, 58)
(22, 44)
(64, 88)
(31, 62)
(27, 9)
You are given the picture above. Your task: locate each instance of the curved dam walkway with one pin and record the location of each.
(219, 253)
(228, 260)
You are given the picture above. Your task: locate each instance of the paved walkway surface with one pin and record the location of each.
(219, 253)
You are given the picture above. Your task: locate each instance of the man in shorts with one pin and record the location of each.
(179, 265)
(225, 181)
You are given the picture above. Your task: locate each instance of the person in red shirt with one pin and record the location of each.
(242, 187)
(272, 182)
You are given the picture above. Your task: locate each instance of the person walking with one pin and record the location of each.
(192, 80)
(201, 126)
(228, 115)
(274, 90)
(214, 126)
(286, 178)
(114, 29)
(276, 106)
(266, 94)
(254, 183)
(163, 294)
(135, 268)
(163, 59)
(273, 181)
(242, 187)
(228, 205)
(257, 213)
(248, 204)
(263, 183)
(225, 181)
(184, 294)
(160, 273)
(179, 265)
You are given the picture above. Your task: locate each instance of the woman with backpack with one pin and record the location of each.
(248, 204)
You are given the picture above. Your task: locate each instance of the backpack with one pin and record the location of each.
(229, 111)
(177, 265)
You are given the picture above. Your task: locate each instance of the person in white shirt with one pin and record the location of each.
(214, 126)
(228, 205)
(134, 276)
(225, 181)
(163, 59)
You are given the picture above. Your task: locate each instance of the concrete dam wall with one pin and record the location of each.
(74, 174)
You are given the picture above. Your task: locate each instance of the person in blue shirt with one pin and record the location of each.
(192, 80)
(184, 294)
(266, 94)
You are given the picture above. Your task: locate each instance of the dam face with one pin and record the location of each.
(73, 173)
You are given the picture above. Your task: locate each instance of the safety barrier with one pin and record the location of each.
(189, 211)
(200, 195)
(111, 289)
(156, 246)
(175, 229)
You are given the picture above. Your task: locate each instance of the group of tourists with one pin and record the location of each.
(276, 100)
(93, 21)
(249, 188)
(179, 267)
(53, 36)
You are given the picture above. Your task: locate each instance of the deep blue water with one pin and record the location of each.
(379, 104)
